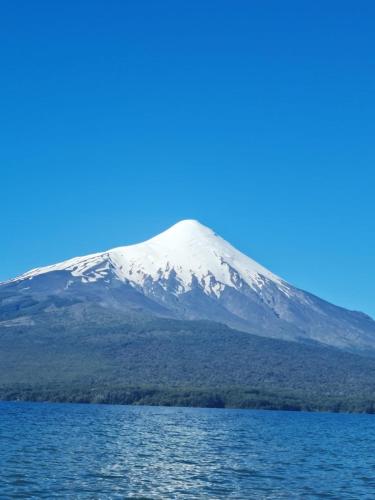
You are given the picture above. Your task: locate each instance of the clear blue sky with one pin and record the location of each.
(120, 118)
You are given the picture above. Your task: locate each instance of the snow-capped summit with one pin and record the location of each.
(189, 272)
(188, 251)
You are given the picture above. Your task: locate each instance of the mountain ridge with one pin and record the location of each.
(189, 272)
(183, 235)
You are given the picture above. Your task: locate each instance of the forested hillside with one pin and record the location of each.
(161, 361)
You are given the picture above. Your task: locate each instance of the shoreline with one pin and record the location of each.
(236, 399)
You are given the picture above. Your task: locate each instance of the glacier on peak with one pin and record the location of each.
(189, 251)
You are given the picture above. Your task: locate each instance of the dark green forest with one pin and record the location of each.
(180, 363)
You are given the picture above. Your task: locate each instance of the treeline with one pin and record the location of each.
(188, 397)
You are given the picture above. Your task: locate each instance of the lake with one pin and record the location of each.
(98, 451)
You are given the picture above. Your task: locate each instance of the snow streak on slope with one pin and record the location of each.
(187, 252)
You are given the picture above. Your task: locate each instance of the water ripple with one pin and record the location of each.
(100, 452)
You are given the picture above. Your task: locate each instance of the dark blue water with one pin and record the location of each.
(92, 451)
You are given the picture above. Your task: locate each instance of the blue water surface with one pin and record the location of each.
(99, 452)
